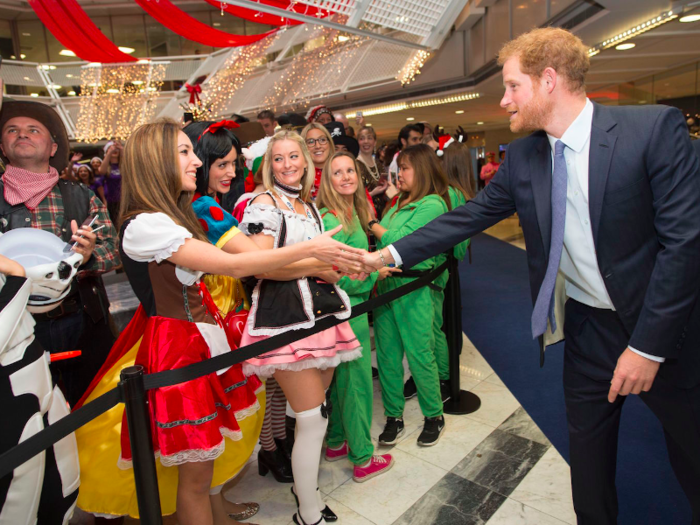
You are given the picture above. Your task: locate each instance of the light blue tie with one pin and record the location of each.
(544, 306)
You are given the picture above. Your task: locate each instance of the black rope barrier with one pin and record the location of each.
(39, 442)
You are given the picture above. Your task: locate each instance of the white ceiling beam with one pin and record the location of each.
(442, 28)
(469, 16)
(322, 22)
(361, 7)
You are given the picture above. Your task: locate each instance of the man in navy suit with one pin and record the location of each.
(609, 202)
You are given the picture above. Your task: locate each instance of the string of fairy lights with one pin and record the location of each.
(115, 99)
(219, 89)
(408, 73)
(324, 56)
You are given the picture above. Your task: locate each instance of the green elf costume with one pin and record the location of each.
(406, 325)
(352, 393)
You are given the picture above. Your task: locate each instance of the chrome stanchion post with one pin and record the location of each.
(144, 464)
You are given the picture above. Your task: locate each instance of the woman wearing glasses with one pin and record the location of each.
(320, 144)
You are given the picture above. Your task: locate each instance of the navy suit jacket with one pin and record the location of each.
(644, 202)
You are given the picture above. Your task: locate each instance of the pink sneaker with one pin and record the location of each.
(334, 454)
(377, 465)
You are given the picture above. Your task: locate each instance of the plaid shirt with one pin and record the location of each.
(48, 216)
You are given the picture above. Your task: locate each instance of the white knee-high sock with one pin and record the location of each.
(306, 456)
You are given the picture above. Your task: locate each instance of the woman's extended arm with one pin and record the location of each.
(202, 256)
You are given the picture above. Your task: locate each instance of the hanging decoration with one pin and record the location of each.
(116, 99)
(194, 91)
(408, 73)
(252, 15)
(233, 74)
(313, 72)
(192, 29)
(71, 26)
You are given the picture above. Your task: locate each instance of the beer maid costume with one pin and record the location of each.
(214, 417)
(280, 306)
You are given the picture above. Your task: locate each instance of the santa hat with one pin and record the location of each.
(316, 112)
(253, 158)
(443, 142)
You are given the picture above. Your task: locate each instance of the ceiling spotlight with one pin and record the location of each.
(69, 75)
(689, 18)
(66, 53)
(368, 124)
(343, 38)
(113, 91)
(625, 47)
(459, 111)
(479, 123)
(71, 93)
(55, 86)
(34, 94)
(127, 50)
(410, 118)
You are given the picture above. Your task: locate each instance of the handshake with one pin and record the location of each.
(349, 260)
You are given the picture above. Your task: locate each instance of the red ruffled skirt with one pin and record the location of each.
(190, 420)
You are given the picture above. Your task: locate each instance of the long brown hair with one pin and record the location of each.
(428, 176)
(151, 178)
(457, 162)
(329, 198)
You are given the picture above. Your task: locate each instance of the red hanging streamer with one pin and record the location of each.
(71, 26)
(192, 29)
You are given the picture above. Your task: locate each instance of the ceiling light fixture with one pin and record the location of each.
(479, 123)
(23, 56)
(127, 50)
(34, 94)
(633, 31)
(422, 103)
(625, 47)
(66, 53)
(71, 93)
(410, 118)
(689, 18)
(459, 111)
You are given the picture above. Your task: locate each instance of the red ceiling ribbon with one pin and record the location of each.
(71, 26)
(192, 29)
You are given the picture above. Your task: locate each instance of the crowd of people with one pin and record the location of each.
(232, 232)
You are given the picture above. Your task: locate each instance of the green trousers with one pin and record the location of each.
(351, 397)
(442, 352)
(406, 326)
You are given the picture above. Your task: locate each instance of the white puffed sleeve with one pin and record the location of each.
(153, 237)
(261, 218)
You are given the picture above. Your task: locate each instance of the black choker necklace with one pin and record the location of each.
(289, 191)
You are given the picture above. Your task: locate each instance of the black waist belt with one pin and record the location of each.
(69, 306)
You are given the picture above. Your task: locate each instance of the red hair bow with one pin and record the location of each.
(216, 126)
(194, 92)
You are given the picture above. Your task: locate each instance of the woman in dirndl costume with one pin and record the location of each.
(165, 253)
(280, 217)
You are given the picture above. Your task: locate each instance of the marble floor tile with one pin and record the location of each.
(385, 498)
(453, 501)
(497, 404)
(495, 380)
(521, 424)
(277, 504)
(513, 512)
(460, 436)
(472, 363)
(500, 462)
(547, 487)
(412, 416)
(332, 474)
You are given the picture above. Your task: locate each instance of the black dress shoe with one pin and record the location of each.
(277, 463)
(327, 514)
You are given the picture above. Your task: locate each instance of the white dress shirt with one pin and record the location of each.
(584, 282)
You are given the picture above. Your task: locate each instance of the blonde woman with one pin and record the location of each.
(320, 145)
(165, 252)
(343, 202)
(284, 216)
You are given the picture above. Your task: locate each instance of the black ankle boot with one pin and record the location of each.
(277, 463)
(286, 448)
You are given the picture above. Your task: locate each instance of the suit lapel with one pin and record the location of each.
(541, 180)
(600, 158)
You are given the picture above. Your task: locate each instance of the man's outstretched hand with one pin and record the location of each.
(633, 374)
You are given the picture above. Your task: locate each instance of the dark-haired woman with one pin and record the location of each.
(165, 252)
(404, 326)
(87, 176)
